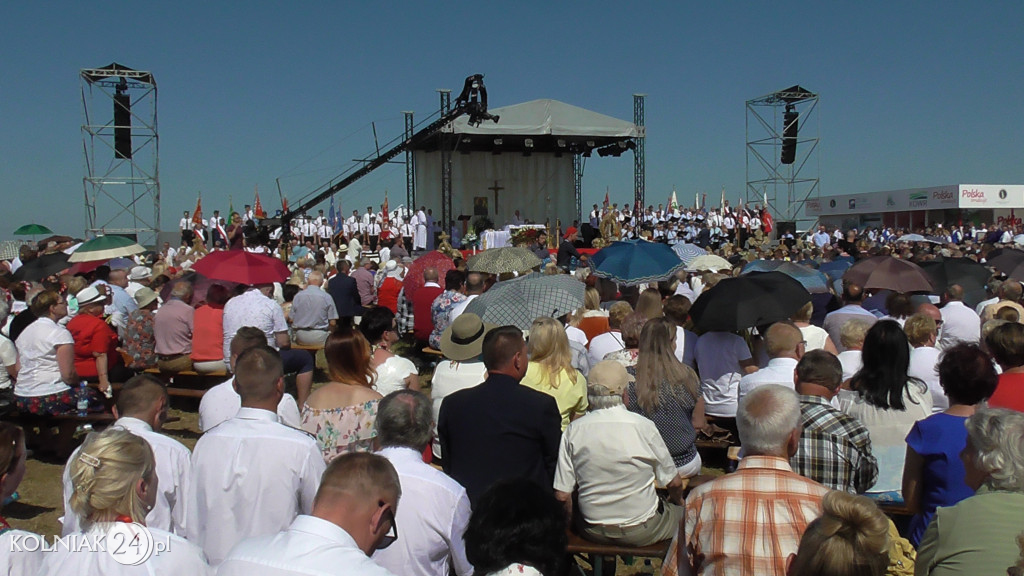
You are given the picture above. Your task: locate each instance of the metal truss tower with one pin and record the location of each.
(410, 165)
(770, 121)
(577, 184)
(639, 162)
(446, 165)
(122, 155)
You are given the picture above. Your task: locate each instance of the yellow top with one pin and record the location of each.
(570, 395)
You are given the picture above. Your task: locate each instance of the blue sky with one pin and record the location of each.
(912, 93)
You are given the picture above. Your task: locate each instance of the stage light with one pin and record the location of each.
(561, 143)
(528, 143)
(498, 141)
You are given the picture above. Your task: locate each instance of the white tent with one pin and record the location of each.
(523, 162)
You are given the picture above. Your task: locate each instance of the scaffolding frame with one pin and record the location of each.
(121, 193)
(639, 159)
(784, 187)
(410, 165)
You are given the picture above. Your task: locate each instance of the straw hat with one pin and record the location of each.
(89, 295)
(464, 339)
(140, 273)
(144, 296)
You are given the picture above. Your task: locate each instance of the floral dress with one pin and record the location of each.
(440, 312)
(139, 341)
(341, 430)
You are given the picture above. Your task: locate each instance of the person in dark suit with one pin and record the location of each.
(499, 429)
(342, 289)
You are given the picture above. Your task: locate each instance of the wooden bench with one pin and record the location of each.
(39, 435)
(431, 352)
(596, 552)
(314, 348)
(203, 381)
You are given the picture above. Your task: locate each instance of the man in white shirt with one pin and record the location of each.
(185, 226)
(353, 514)
(221, 403)
(435, 509)
(142, 409)
(853, 297)
(616, 458)
(959, 323)
(474, 288)
(252, 475)
(785, 344)
(256, 308)
(420, 238)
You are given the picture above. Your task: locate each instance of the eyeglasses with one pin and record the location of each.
(392, 534)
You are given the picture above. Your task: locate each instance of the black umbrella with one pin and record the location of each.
(1005, 259)
(753, 299)
(968, 274)
(42, 267)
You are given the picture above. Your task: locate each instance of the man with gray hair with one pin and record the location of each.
(172, 330)
(616, 458)
(751, 521)
(314, 313)
(435, 515)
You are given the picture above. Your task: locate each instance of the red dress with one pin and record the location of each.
(1009, 392)
(91, 335)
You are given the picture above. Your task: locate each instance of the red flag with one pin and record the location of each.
(257, 210)
(607, 201)
(384, 216)
(284, 204)
(197, 215)
(766, 219)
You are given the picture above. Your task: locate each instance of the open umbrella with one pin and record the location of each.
(635, 262)
(242, 267)
(964, 272)
(888, 273)
(814, 281)
(42, 267)
(200, 284)
(687, 252)
(503, 260)
(414, 275)
(520, 301)
(1005, 259)
(753, 299)
(121, 263)
(105, 248)
(32, 230)
(709, 262)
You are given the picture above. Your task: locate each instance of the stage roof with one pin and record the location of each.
(552, 126)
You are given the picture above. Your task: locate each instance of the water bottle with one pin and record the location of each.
(83, 399)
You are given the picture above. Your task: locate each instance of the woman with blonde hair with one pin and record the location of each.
(816, 337)
(550, 369)
(649, 304)
(851, 538)
(14, 561)
(115, 483)
(340, 414)
(667, 392)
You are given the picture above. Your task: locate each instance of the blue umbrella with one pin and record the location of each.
(687, 252)
(813, 280)
(635, 262)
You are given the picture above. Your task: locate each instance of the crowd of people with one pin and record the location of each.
(590, 420)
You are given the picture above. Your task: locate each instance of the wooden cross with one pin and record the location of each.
(496, 188)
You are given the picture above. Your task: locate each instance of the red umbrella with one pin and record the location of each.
(414, 275)
(200, 285)
(242, 267)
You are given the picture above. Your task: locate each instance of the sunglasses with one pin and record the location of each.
(392, 534)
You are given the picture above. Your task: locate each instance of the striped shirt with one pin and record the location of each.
(835, 448)
(747, 522)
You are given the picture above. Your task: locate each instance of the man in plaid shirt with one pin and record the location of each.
(835, 448)
(750, 521)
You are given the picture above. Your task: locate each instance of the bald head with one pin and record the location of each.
(930, 310)
(955, 292)
(852, 292)
(118, 278)
(783, 340)
(315, 278)
(430, 274)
